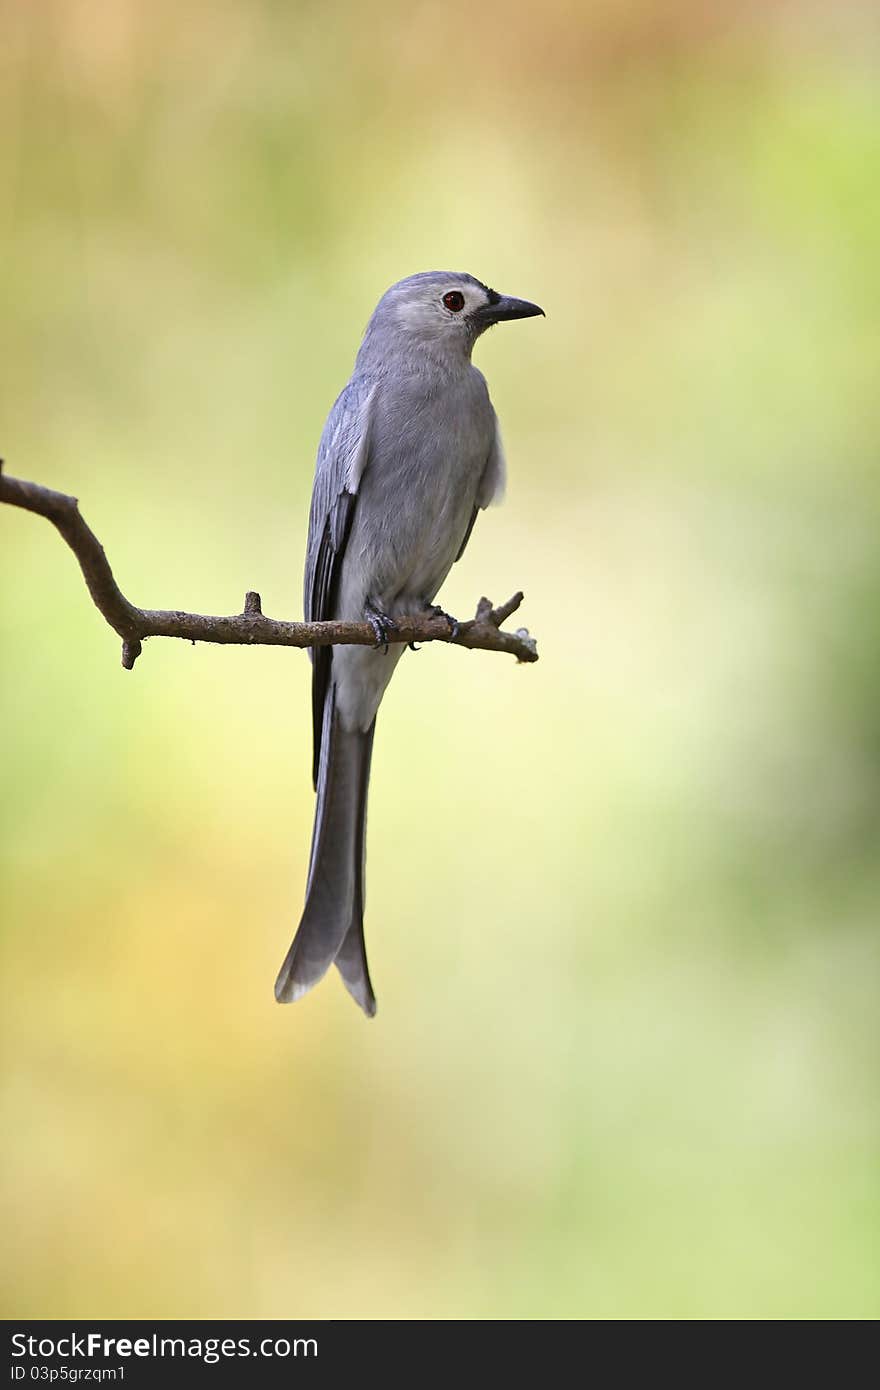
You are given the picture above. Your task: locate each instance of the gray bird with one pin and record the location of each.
(410, 453)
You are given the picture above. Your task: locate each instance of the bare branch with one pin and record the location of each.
(251, 627)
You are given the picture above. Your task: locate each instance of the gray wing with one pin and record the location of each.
(342, 457)
(491, 488)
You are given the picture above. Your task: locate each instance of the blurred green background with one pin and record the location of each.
(622, 905)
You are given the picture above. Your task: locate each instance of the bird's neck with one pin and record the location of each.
(422, 356)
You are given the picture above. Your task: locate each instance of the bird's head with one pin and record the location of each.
(441, 311)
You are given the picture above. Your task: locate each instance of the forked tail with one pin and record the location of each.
(331, 928)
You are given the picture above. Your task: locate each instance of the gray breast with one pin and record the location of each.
(428, 449)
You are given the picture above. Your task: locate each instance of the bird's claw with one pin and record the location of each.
(381, 625)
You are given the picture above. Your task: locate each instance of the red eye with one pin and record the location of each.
(454, 301)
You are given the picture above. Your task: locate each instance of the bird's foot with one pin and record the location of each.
(381, 624)
(435, 611)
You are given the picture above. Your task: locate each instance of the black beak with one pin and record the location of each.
(506, 307)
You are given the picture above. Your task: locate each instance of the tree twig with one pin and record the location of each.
(251, 627)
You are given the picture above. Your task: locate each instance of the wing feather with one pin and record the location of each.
(342, 457)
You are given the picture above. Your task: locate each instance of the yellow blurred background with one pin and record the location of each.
(622, 905)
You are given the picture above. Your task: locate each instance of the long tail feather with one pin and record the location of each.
(331, 927)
